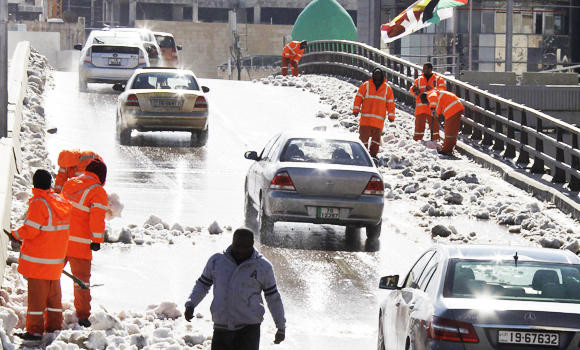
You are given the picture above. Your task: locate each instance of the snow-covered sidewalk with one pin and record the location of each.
(436, 187)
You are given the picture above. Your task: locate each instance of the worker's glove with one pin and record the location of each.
(355, 114)
(392, 120)
(188, 314)
(415, 90)
(280, 336)
(95, 246)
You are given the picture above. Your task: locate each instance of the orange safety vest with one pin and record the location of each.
(87, 217)
(435, 82)
(44, 236)
(72, 163)
(292, 51)
(375, 104)
(445, 102)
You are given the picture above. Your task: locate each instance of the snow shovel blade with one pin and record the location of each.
(76, 280)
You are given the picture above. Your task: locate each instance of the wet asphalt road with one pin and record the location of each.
(328, 279)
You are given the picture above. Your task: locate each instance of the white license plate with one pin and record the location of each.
(529, 338)
(166, 103)
(114, 61)
(328, 213)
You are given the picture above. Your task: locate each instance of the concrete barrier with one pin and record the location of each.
(10, 156)
(549, 78)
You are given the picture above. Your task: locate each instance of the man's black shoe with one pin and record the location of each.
(445, 153)
(29, 337)
(85, 322)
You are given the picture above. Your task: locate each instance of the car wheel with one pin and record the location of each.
(381, 335)
(83, 86)
(265, 223)
(249, 210)
(199, 137)
(374, 231)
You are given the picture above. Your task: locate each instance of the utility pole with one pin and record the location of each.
(470, 31)
(508, 35)
(3, 68)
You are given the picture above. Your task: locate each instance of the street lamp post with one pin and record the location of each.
(3, 68)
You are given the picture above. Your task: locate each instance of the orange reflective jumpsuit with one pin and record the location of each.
(87, 225)
(448, 104)
(44, 237)
(422, 111)
(291, 54)
(72, 163)
(373, 104)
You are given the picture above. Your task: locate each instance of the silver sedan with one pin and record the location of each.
(484, 297)
(316, 178)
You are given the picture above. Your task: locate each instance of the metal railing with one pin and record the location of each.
(517, 131)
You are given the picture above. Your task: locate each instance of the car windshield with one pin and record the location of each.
(165, 42)
(165, 80)
(504, 279)
(116, 38)
(310, 150)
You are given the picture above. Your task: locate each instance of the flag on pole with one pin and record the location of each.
(419, 15)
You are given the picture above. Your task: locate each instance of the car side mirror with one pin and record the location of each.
(204, 89)
(118, 87)
(389, 282)
(78, 47)
(251, 155)
(179, 47)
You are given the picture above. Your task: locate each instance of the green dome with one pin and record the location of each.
(324, 20)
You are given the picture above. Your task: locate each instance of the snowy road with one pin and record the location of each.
(328, 280)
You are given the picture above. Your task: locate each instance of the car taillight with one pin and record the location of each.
(88, 58)
(200, 102)
(142, 58)
(375, 187)
(282, 181)
(450, 330)
(132, 101)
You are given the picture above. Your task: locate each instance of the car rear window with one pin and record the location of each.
(115, 49)
(309, 150)
(504, 279)
(165, 80)
(165, 42)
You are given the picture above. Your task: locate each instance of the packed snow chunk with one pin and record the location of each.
(573, 246)
(97, 340)
(468, 178)
(177, 227)
(9, 318)
(154, 221)
(167, 309)
(482, 214)
(103, 321)
(454, 198)
(447, 174)
(115, 206)
(162, 332)
(126, 236)
(215, 229)
(534, 207)
(550, 242)
(139, 340)
(441, 231)
(515, 229)
(193, 339)
(60, 345)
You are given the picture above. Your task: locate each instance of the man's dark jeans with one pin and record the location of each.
(247, 338)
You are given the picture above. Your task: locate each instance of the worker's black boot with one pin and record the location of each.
(28, 337)
(84, 322)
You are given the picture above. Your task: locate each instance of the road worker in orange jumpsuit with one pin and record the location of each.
(427, 81)
(449, 105)
(44, 237)
(87, 229)
(373, 99)
(291, 55)
(72, 163)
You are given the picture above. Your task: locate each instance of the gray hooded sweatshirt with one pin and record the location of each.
(237, 291)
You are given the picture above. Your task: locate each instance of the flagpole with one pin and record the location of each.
(470, 31)
(508, 35)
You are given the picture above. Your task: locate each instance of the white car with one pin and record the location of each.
(149, 42)
(110, 57)
(163, 99)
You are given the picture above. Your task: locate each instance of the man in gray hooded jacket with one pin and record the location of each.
(239, 275)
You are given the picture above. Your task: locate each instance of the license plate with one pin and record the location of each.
(529, 338)
(166, 103)
(327, 213)
(114, 61)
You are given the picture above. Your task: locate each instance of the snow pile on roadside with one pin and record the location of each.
(160, 326)
(415, 173)
(156, 230)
